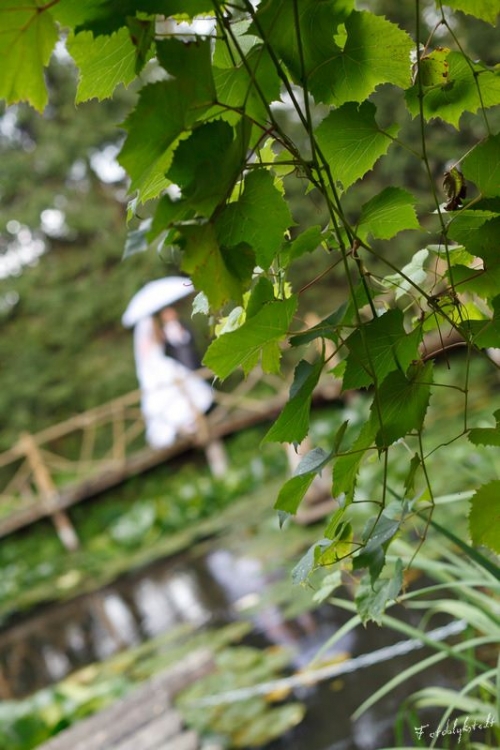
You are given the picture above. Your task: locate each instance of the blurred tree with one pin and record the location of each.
(63, 286)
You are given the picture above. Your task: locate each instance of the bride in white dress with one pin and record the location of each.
(173, 397)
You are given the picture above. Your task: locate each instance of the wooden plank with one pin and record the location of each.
(146, 710)
(159, 733)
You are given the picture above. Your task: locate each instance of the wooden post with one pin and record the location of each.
(6, 693)
(48, 492)
(215, 451)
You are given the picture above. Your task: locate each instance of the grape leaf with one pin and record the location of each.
(243, 347)
(352, 142)
(434, 67)
(402, 403)
(293, 491)
(346, 467)
(306, 242)
(411, 277)
(103, 17)
(27, 39)
(242, 87)
(460, 94)
(376, 51)
(487, 10)
(484, 517)
(486, 333)
(241, 221)
(262, 293)
(389, 212)
(164, 112)
(382, 345)
(377, 533)
(102, 63)
(485, 283)
(275, 22)
(478, 232)
(203, 260)
(482, 166)
(203, 166)
(487, 435)
(372, 599)
(327, 328)
(292, 424)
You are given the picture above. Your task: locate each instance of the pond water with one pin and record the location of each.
(214, 586)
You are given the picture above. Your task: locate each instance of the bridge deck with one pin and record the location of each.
(143, 720)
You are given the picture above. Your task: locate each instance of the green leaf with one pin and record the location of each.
(327, 329)
(243, 346)
(402, 404)
(243, 86)
(484, 282)
(345, 468)
(292, 424)
(293, 491)
(337, 550)
(107, 16)
(487, 10)
(262, 293)
(318, 21)
(142, 32)
(477, 231)
(484, 517)
(137, 240)
(27, 39)
(371, 600)
(377, 533)
(482, 166)
(241, 221)
(102, 63)
(306, 242)
(376, 52)
(203, 260)
(352, 142)
(409, 484)
(377, 348)
(487, 435)
(307, 563)
(204, 167)
(165, 111)
(460, 94)
(434, 67)
(389, 212)
(486, 333)
(412, 276)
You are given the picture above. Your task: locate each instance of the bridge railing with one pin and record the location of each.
(44, 473)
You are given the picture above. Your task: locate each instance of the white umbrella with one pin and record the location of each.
(154, 296)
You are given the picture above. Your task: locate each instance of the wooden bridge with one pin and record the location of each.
(45, 473)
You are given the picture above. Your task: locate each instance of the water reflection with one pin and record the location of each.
(49, 644)
(217, 588)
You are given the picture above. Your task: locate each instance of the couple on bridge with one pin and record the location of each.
(173, 395)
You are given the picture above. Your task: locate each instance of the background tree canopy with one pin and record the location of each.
(288, 155)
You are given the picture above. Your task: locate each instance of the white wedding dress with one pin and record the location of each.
(172, 396)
